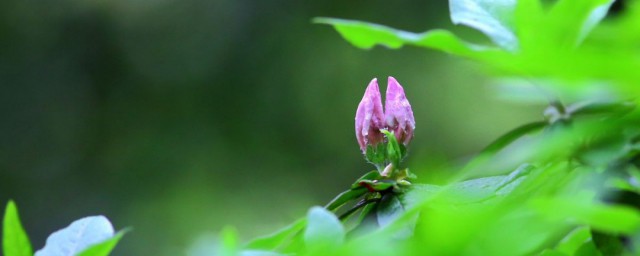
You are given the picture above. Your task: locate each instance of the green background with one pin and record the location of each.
(178, 118)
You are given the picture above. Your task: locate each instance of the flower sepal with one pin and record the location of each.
(391, 179)
(372, 175)
(395, 151)
(376, 154)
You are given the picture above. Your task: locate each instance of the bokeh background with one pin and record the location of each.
(181, 117)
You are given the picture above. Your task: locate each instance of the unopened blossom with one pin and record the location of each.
(398, 113)
(370, 117)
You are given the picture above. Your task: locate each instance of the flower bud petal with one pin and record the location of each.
(398, 113)
(370, 117)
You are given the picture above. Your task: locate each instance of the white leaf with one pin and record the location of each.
(78, 236)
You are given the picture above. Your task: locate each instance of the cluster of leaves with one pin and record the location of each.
(89, 236)
(573, 179)
(563, 42)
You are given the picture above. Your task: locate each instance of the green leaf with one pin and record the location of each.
(608, 244)
(574, 240)
(275, 240)
(596, 14)
(78, 236)
(389, 209)
(15, 241)
(366, 35)
(365, 212)
(552, 253)
(394, 153)
(376, 155)
(260, 253)
(403, 150)
(634, 174)
(419, 193)
(511, 136)
(494, 18)
(613, 219)
(482, 189)
(588, 249)
(323, 231)
(563, 27)
(358, 206)
(345, 197)
(601, 108)
(105, 247)
(470, 191)
(571, 20)
(529, 15)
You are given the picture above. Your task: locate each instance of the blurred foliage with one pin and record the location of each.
(574, 185)
(181, 117)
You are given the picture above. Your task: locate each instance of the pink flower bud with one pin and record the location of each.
(398, 113)
(370, 117)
